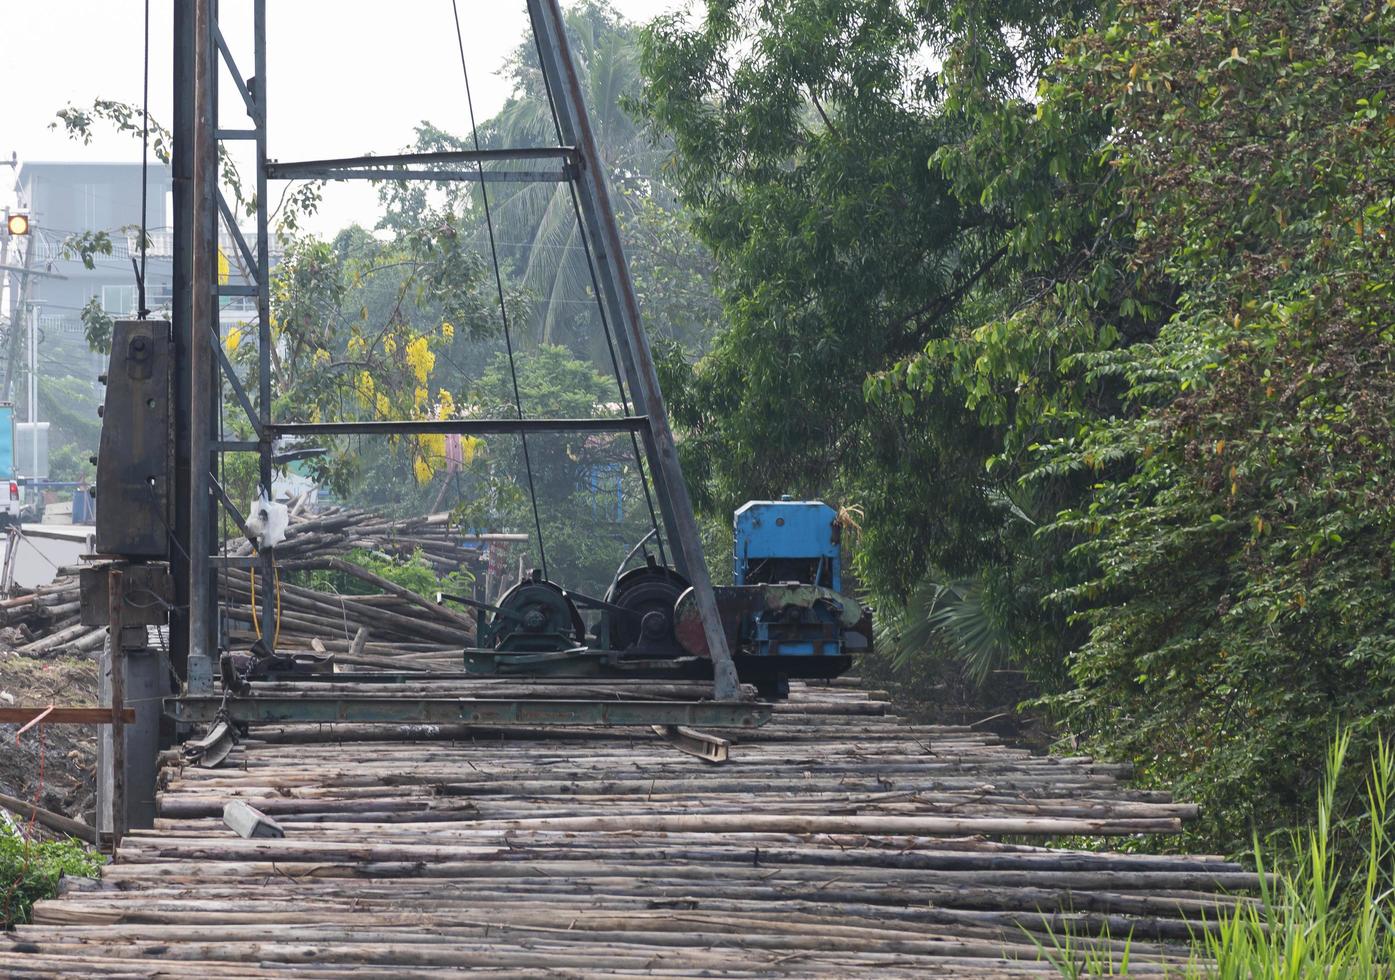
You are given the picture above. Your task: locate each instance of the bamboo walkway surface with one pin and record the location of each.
(838, 841)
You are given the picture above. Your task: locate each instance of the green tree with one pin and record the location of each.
(1240, 523)
(69, 405)
(1202, 386)
(370, 329)
(802, 130)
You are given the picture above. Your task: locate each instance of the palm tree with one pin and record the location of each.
(535, 225)
(537, 222)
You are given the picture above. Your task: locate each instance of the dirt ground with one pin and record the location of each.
(59, 762)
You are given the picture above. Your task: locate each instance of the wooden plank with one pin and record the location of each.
(48, 818)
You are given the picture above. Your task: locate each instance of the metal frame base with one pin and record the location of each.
(482, 711)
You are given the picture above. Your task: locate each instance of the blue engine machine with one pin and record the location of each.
(785, 616)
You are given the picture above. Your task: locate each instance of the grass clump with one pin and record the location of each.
(1319, 916)
(1326, 905)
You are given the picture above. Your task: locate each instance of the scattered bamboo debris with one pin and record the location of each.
(46, 621)
(837, 841)
(392, 626)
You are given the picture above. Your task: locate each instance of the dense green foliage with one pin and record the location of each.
(68, 405)
(803, 130)
(1235, 548)
(802, 158)
(414, 573)
(29, 870)
(1111, 376)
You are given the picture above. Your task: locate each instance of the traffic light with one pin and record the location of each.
(17, 224)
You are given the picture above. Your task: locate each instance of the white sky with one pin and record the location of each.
(344, 77)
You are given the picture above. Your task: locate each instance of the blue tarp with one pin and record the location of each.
(7, 442)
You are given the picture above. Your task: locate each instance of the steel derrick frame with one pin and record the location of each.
(202, 367)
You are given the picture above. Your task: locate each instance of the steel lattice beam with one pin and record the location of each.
(473, 711)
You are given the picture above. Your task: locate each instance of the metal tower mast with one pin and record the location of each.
(203, 367)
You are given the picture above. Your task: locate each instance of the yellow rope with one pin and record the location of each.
(276, 573)
(256, 621)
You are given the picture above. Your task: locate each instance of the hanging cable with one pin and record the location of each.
(499, 285)
(276, 592)
(600, 305)
(141, 311)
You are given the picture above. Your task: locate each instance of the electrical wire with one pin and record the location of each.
(276, 579)
(276, 591)
(141, 310)
(499, 285)
(252, 592)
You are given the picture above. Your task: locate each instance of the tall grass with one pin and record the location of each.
(1326, 906)
(1316, 918)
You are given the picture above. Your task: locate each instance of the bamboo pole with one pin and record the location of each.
(56, 821)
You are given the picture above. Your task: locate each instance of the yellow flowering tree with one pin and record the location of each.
(365, 329)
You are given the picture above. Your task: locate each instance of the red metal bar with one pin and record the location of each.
(34, 721)
(62, 716)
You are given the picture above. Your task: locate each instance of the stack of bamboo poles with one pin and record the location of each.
(391, 627)
(837, 842)
(48, 620)
(340, 529)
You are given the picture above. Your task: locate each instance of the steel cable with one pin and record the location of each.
(499, 286)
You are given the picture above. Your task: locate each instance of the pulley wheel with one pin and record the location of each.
(649, 594)
(541, 617)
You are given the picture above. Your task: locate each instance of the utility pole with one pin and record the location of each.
(181, 311)
(202, 642)
(17, 308)
(34, 391)
(5, 264)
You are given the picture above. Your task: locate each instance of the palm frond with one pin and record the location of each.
(961, 620)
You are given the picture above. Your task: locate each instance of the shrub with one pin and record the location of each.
(29, 870)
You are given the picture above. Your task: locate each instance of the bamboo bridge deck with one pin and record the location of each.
(837, 841)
